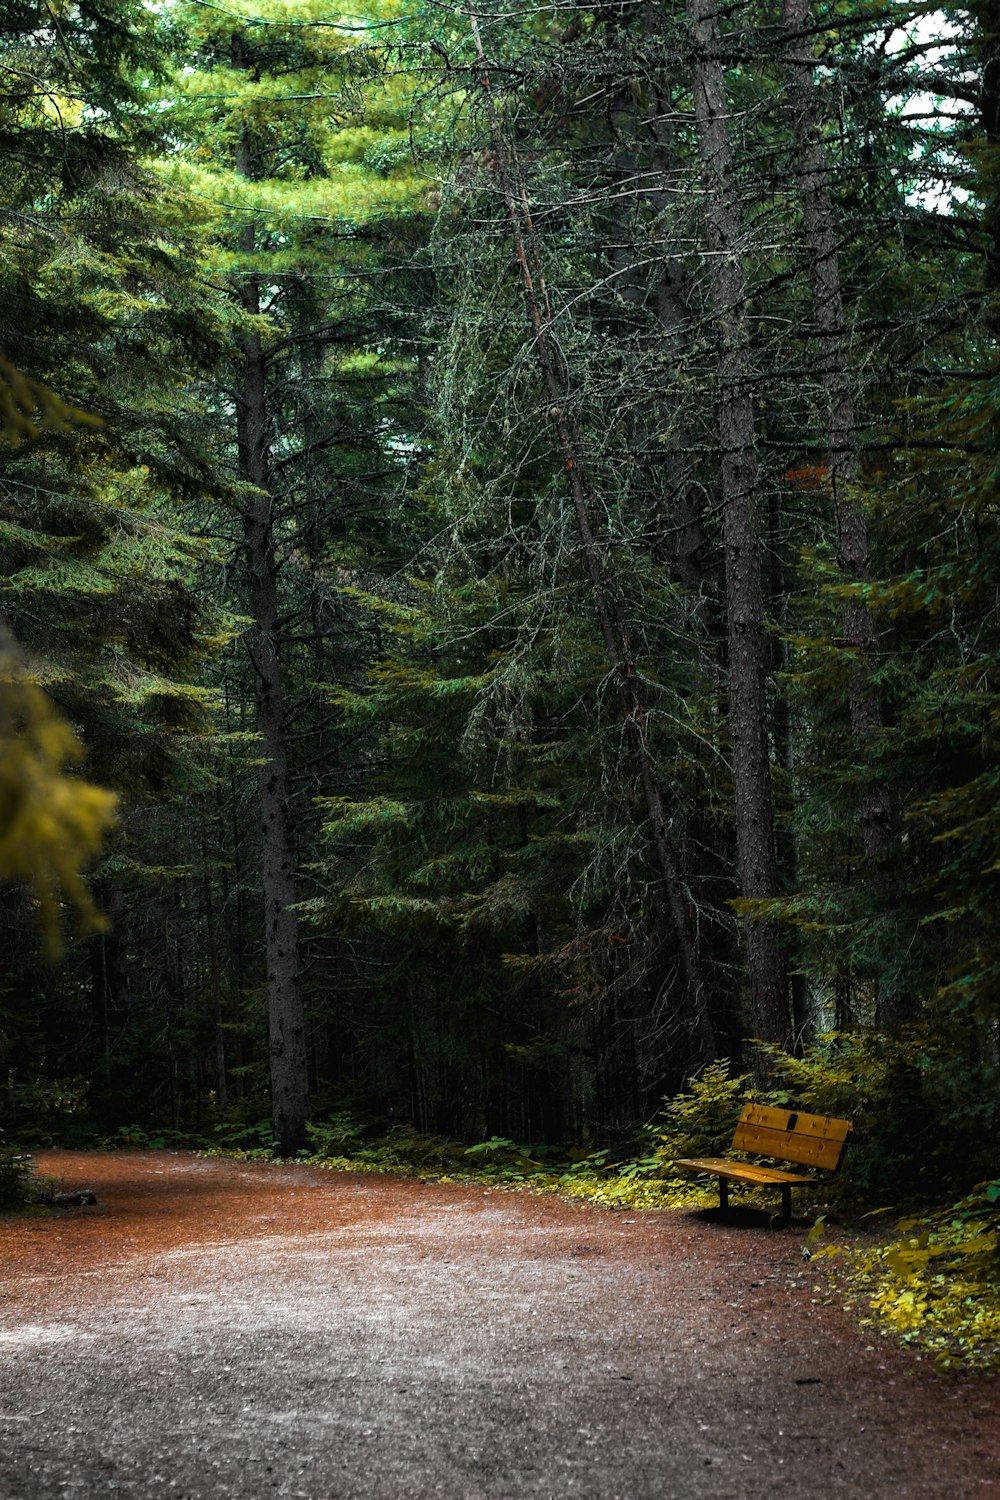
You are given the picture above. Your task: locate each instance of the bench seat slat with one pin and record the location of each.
(738, 1171)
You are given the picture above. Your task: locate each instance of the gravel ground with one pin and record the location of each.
(214, 1330)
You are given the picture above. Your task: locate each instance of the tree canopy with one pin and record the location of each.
(504, 506)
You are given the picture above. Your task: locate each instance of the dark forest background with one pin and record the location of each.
(534, 585)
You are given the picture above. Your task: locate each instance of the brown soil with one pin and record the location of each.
(215, 1329)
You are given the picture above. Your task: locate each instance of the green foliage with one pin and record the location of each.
(924, 1107)
(700, 1121)
(347, 1143)
(41, 1111)
(338, 1135)
(52, 823)
(133, 1138)
(16, 1179)
(97, 572)
(28, 408)
(246, 1138)
(411, 1152)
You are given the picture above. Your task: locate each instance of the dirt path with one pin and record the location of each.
(215, 1330)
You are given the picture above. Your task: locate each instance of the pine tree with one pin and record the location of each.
(103, 318)
(295, 189)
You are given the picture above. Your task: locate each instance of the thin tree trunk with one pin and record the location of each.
(613, 626)
(111, 1002)
(748, 705)
(675, 463)
(877, 811)
(235, 925)
(215, 988)
(286, 1017)
(987, 13)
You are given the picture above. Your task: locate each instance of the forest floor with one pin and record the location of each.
(225, 1329)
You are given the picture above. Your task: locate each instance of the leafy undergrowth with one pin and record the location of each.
(23, 1190)
(342, 1146)
(16, 1179)
(933, 1283)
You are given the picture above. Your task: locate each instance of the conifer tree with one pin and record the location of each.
(749, 717)
(511, 606)
(291, 184)
(104, 317)
(97, 569)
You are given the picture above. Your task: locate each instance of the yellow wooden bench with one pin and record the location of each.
(784, 1135)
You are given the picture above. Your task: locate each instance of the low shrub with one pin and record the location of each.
(701, 1120)
(16, 1179)
(925, 1117)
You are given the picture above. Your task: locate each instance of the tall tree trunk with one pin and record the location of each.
(877, 811)
(613, 625)
(748, 705)
(688, 555)
(111, 1003)
(286, 1017)
(987, 14)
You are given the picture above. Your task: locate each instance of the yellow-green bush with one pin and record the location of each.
(51, 822)
(923, 1106)
(701, 1120)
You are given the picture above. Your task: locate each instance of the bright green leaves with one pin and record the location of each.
(344, 819)
(700, 1121)
(322, 126)
(348, 194)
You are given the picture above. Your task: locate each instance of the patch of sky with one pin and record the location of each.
(936, 48)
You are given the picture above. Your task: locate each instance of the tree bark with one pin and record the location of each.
(215, 989)
(987, 14)
(109, 961)
(286, 1015)
(748, 704)
(877, 812)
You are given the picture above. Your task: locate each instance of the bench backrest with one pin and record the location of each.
(791, 1135)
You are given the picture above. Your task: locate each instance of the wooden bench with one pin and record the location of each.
(782, 1134)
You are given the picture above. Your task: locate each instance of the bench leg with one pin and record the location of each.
(723, 1194)
(786, 1204)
